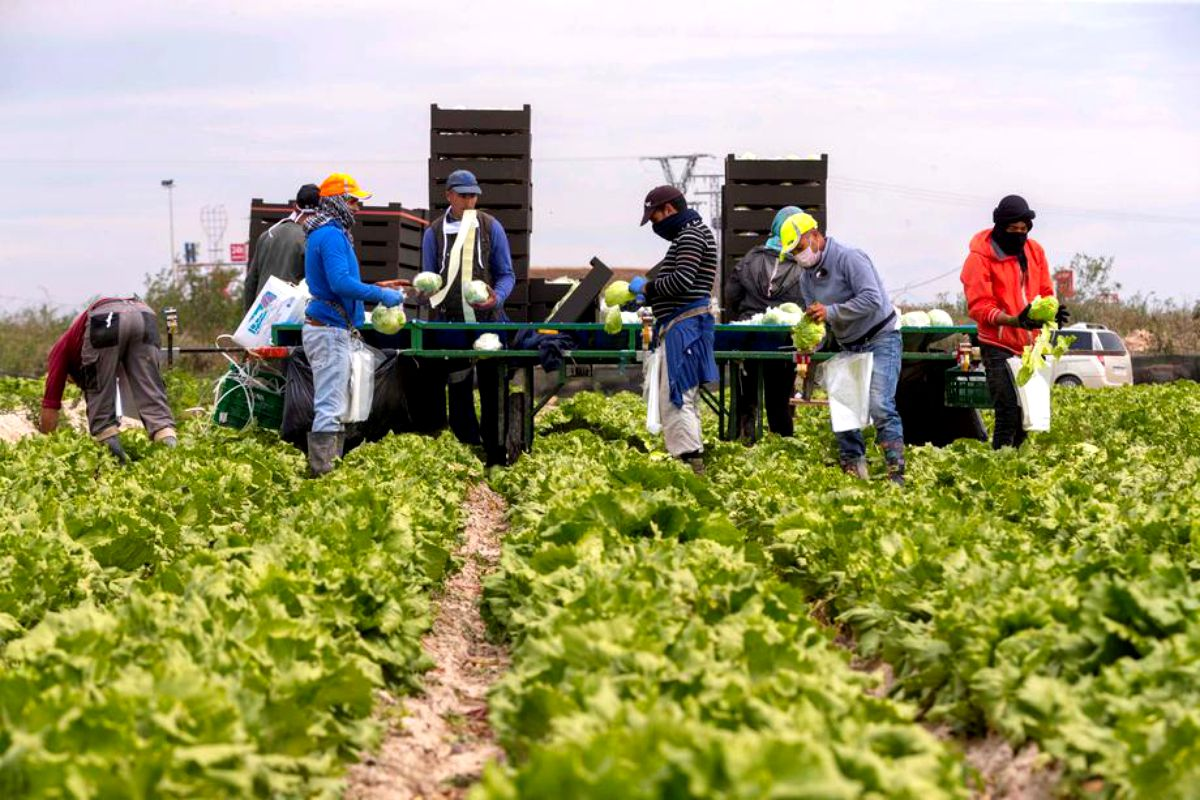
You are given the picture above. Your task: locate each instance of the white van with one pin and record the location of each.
(1096, 359)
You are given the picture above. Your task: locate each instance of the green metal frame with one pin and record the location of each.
(632, 351)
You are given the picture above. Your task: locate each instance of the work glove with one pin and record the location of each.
(113, 443)
(1025, 321)
(391, 297)
(638, 287)
(1062, 317)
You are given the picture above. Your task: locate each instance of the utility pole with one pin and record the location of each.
(169, 185)
(708, 185)
(684, 181)
(709, 190)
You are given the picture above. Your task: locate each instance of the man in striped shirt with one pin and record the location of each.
(679, 295)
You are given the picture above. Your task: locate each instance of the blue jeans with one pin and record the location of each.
(885, 374)
(328, 351)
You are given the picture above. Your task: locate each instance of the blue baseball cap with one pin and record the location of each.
(463, 181)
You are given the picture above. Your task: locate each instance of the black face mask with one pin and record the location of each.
(669, 227)
(1012, 244)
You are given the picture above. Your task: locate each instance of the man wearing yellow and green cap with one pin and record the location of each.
(842, 288)
(334, 312)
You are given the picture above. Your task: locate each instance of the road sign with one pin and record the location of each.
(239, 252)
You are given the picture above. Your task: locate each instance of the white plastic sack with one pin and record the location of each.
(278, 303)
(1034, 397)
(848, 383)
(361, 393)
(650, 377)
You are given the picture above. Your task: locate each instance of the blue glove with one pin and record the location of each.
(638, 287)
(391, 297)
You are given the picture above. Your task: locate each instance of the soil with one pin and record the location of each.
(438, 742)
(1024, 774)
(14, 427)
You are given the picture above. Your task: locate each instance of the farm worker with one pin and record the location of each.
(279, 250)
(680, 295)
(842, 288)
(760, 280)
(482, 255)
(113, 338)
(1004, 272)
(334, 312)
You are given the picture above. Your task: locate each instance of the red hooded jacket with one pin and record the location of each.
(995, 284)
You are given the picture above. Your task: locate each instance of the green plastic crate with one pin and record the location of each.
(235, 395)
(967, 389)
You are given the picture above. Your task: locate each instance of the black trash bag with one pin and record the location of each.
(389, 406)
(920, 399)
(297, 400)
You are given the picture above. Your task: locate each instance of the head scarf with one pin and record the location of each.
(335, 209)
(773, 243)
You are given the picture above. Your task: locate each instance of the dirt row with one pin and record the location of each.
(437, 742)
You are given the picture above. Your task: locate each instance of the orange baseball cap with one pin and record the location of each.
(340, 183)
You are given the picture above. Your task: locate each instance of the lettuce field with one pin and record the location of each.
(206, 622)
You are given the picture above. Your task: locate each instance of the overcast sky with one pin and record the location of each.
(930, 112)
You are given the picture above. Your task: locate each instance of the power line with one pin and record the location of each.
(850, 184)
(908, 286)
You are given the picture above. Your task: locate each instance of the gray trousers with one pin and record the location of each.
(121, 340)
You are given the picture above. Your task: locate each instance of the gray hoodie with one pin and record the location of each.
(848, 285)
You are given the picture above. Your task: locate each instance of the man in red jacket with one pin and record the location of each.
(113, 337)
(1004, 272)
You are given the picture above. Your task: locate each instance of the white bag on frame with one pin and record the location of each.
(1034, 397)
(651, 367)
(361, 392)
(847, 381)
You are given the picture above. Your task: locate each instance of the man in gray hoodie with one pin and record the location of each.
(279, 250)
(842, 288)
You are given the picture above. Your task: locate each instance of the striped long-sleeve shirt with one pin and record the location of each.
(687, 273)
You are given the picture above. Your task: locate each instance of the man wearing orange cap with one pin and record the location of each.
(334, 312)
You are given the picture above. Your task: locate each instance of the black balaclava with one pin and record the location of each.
(1012, 208)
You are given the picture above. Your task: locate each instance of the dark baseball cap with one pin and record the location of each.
(308, 196)
(658, 196)
(462, 181)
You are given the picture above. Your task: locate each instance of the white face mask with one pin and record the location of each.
(807, 258)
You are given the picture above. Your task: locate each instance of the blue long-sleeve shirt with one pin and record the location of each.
(333, 275)
(499, 260)
(848, 285)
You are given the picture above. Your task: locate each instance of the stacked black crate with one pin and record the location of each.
(755, 190)
(387, 239)
(494, 144)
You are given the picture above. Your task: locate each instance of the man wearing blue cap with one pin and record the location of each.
(465, 245)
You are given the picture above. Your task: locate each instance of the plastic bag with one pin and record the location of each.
(847, 380)
(650, 376)
(278, 303)
(363, 359)
(1034, 397)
